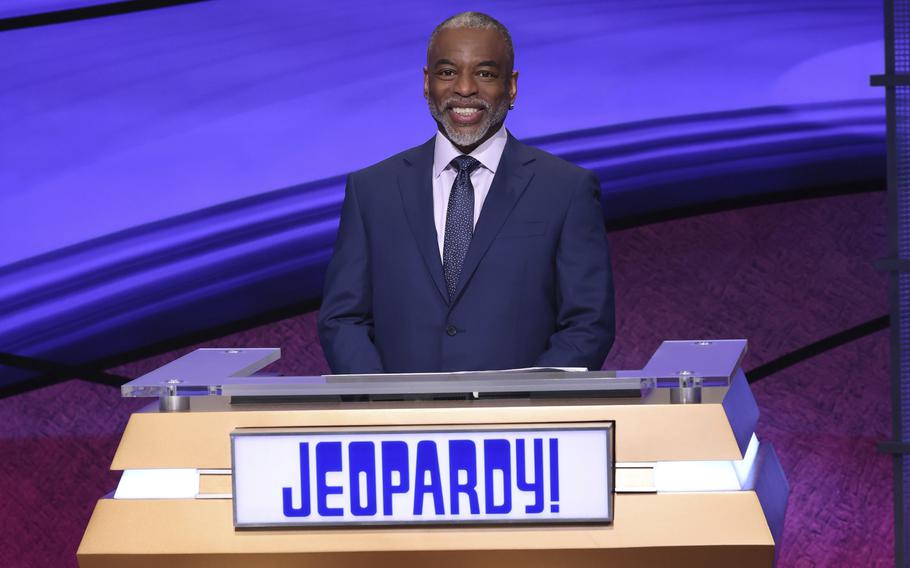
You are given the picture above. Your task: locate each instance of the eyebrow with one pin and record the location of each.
(488, 63)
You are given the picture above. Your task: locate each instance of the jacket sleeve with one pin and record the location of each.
(346, 314)
(585, 309)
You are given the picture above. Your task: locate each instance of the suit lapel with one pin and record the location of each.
(511, 179)
(415, 184)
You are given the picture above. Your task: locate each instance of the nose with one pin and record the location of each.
(465, 85)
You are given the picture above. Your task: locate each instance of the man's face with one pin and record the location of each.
(469, 84)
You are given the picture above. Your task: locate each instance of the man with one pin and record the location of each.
(471, 251)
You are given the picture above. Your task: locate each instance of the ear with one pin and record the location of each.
(426, 83)
(513, 87)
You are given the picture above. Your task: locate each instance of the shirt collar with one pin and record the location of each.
(488, 154)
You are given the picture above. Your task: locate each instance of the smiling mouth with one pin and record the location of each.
(464, 116)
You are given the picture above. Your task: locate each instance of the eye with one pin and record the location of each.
(487, 75)
(445, 73)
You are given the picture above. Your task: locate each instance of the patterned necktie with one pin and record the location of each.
(459, 222)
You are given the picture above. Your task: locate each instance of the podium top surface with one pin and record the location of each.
(650, 425)
(230, 372)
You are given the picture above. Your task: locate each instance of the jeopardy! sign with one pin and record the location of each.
(415, 477)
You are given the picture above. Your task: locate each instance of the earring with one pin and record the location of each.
(511, 106)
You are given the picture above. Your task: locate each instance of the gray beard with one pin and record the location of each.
(464, 139)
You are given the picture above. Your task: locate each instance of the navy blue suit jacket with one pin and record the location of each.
(535, 289)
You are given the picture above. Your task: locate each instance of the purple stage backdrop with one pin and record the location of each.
(172, 170)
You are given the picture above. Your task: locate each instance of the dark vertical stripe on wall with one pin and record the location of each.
(897, 101)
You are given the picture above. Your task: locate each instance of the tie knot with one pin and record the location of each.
(465, 164)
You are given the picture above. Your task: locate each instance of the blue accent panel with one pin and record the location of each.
(741, 409)
(715, 359)
(772, 489)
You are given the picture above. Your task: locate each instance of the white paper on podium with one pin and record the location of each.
(486, 372)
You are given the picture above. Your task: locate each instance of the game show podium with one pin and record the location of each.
(657, 467)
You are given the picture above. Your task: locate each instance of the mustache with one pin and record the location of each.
(462, 102)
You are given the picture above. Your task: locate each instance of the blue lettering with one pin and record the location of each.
(521, 475)
(427, 462)
(328, 458)
(396, 477)
(362, 457)
(394, 459)
(496, 456)
(463, 457)
(554, 475)
(286, 492)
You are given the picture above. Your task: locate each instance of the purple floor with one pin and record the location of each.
(782, 276)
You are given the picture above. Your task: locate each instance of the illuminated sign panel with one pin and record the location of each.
(413, 477)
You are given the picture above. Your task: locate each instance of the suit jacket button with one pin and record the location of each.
(451, 330)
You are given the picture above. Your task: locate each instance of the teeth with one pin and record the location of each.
(464, 111)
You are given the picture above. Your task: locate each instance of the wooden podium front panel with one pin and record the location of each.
(681, 529)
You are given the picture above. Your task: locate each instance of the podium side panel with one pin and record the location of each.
(741, 409)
